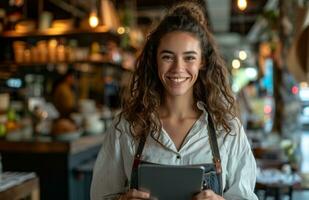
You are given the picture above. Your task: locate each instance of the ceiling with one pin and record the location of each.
(230, 25)
(224, 14)
(232, 28)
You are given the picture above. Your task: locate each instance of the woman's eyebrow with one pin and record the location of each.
(166, 51)
(170, 52)
(190, 52)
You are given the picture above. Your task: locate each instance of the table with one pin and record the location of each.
(18, 185)
(276, 190)
(273, 181)
(55, 162)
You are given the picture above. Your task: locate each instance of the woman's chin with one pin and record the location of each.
(177, 93)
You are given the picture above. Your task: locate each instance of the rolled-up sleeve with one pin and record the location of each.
(108, 180)
(241, 169)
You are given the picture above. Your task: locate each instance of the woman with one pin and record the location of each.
(180, 111)
(64, 97)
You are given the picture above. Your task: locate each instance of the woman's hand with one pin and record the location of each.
(207, 195)
(134, 194)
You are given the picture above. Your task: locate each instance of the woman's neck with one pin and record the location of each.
(178, 108)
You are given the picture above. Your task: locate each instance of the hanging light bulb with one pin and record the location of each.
(93, 19)
(121, 30)
(242, 55)
(236, 64)
(242, 4)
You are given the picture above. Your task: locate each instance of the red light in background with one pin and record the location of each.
(267, 109)
(294, 89)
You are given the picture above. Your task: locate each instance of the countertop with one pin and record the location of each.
(48, 145)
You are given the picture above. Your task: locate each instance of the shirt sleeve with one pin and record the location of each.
(241, 169)
(108, 180)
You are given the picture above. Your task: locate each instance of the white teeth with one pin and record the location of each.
(177, 79)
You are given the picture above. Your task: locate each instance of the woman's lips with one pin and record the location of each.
(177, 79)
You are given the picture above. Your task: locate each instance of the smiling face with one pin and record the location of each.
(179, 61)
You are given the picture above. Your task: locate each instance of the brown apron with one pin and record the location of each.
(213, 171)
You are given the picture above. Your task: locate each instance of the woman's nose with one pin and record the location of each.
(178, 64)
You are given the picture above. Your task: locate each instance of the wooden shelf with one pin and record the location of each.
(57, 32)
(91, 62)
(57, 63)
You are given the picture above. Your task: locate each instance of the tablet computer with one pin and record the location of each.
(166, 182)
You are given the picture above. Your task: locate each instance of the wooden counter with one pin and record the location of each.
(16, 188)
(56, 163)
(47, 145)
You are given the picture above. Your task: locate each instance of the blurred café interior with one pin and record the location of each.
(85, 52)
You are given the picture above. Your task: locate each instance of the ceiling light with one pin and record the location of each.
(235, 64)
(242, 4)
(93, 19)
(242, 55)
(121, 30)
(251, 73)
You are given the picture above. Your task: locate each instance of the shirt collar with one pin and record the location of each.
(163, 138)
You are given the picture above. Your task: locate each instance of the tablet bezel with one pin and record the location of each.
(165, 182)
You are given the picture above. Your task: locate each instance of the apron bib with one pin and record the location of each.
(212, 178)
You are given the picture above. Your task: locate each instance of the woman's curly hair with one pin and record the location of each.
(146, 92)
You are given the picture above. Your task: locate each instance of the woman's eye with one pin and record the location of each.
(189, 58)
(167, 58)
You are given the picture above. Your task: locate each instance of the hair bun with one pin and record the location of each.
(189, 8)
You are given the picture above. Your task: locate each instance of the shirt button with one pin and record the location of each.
(178, 157)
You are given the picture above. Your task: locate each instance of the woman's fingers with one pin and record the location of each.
(207, 195)
(134, 194)
(203, 195)
(139, 194)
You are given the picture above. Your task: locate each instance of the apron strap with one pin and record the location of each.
(214, 145)
(215, 151)
(140, 147)
(136, 162)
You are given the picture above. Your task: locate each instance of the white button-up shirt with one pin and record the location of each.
(113, 167)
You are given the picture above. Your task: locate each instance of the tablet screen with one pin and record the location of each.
(166, 182)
